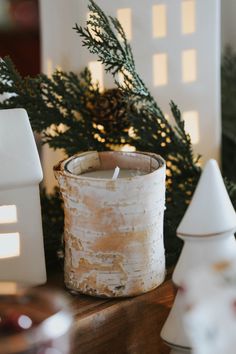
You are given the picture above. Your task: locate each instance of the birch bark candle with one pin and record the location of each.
(113, 227)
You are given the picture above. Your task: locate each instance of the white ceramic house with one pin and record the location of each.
(208, 225)
(176, 46)
(21, 239)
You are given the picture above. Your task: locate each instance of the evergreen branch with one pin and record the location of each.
(183, 138)
(152, 130)
(228, 93)
(113, 50)
(70, 113)
(105, 37)
(67, 109)
(231, 188)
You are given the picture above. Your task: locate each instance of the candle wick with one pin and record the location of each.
(116, 173)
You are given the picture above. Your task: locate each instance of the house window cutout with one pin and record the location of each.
(189, 65)
(8, 288)
(97, 74)
(59, 68)
(160, 70)
(8, 214)
(49, 69)
(191, 119)
(125, 18)
(167, 117)
(188, 12)
(159, 21)
(9, 245)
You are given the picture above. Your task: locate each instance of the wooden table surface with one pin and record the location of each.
(119, 326)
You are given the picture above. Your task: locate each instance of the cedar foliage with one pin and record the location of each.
(228, 94)
(70, 113)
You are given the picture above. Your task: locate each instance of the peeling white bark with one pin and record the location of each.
(113, 228)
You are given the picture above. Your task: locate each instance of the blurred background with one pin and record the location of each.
(19, 34)
(20, 39)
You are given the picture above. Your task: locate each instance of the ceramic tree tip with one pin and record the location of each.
(210, 211)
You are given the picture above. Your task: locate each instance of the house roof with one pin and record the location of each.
(19, 159)
(210, 212)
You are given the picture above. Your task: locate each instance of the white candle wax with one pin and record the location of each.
(116, 173)
(107, 174)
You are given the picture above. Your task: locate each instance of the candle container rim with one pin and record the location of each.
(63, 166)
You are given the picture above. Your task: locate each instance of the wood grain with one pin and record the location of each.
(120, 326)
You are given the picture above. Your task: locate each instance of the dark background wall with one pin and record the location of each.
(19, 34)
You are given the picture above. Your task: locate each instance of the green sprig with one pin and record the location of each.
(70, 113)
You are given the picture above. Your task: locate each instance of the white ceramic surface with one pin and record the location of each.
(20, 164)
(203, 251)
(208, 225)
(210, 211)
(173, 332)
(19, 189)
(210, 300)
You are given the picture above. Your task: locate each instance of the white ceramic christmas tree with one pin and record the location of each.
(173, 332)
(210, 321)
(207, 229)
(208, 225)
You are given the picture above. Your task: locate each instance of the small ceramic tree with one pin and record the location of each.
(173, 332)
(207, 229)
(208, 225)
(210, 319)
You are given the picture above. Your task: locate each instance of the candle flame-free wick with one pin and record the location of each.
(116, 173)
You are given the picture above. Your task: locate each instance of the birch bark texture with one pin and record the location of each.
(113, 228)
